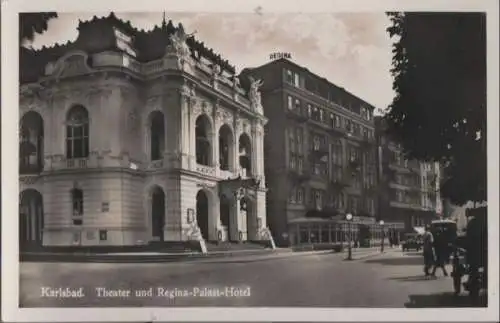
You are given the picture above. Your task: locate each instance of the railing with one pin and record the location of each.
(156, 164)
(205, 170)
(76, 163)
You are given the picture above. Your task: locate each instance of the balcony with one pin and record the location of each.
(298, 176)
(156, 164)
(319, 152)
(77, 163)
(206, 170)
(338, 186)
(337, 131)
(300, 117)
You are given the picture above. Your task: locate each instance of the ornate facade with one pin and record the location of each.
(128, 137)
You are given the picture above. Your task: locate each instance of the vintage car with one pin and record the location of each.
(412, 241)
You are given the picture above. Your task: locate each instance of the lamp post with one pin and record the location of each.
(348, 218)
(383, 236)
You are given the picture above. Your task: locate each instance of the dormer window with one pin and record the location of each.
(124, 42)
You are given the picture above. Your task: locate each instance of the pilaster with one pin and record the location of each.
(185, 147)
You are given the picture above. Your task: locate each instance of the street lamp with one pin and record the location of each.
(383, 236)
(348, 218)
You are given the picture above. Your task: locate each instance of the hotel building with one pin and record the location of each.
(129, 137)
(320, 156)
(408, 189)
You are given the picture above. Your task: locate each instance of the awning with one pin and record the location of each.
(419, 230)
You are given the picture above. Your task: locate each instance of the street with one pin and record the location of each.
(392, 279)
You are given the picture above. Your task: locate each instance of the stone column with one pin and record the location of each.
(173, 210)
(148, 220)
(213, 217)
(113, 133)
(234, 219)
(215, 146)
(185, 147)
(255, 152)
(236, 146)
(192, 139)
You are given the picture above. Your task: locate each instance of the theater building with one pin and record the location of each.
(409, 189)
(129, 136)
(320, 157)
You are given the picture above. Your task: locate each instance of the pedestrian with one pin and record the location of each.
(441, 252)
(428, 241)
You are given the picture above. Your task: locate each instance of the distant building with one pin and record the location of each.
(129, 137)
(320, 154)
(408, 189)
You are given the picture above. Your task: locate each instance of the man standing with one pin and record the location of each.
(441, 252)
(429, 255)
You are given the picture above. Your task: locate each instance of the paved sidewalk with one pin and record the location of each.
(161, 257)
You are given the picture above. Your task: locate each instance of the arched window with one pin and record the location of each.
(77, 206)
(31, 134)
(77, 133)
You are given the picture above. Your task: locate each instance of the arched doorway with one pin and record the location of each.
(31, 220)
(248, 209)
(226, 148)
(245, 154)
(31, 143)
(156, 135)
(202, 213)
(157, 213)
(203, 132)
(225, 214)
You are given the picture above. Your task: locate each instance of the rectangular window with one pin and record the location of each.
(290, 103)
(300, 196)
(103, 235)
(289, 76)
(105, 207)
(292, 161)
(300, 164)
(296, 80)
(300, 140)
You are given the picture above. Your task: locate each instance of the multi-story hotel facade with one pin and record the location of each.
(128, 137)
(408, 189)
(320, 154)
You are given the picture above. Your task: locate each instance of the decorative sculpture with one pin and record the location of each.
(254, 93)
(179, 45)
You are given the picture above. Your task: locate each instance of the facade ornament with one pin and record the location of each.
(178, 44)
(239, 193)
(254, 94)
(216, 70)
(236, 82)
(192, 91)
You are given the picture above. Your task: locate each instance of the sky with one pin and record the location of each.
(351, 50)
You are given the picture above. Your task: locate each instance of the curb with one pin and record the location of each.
(138, 258)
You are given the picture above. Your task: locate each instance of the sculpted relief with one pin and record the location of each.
(254, 94)
(73, 63)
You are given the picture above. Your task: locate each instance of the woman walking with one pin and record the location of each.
(429, 254)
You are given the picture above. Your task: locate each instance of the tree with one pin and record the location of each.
(31, 23)
(439, 110)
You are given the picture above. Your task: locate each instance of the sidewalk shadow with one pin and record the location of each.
(445, 300)
(402, 261)
(413, 278)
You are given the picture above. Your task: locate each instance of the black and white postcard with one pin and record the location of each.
(249, 160)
